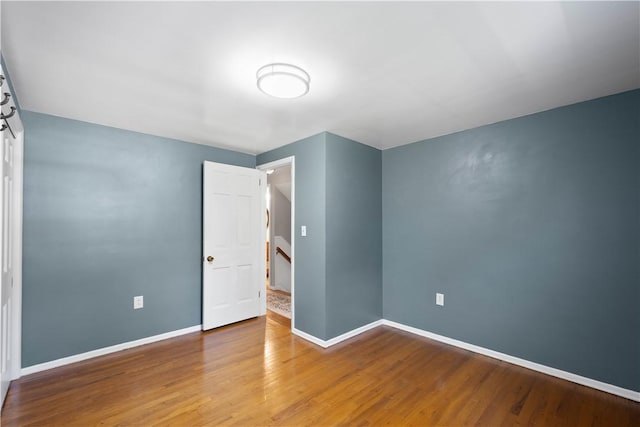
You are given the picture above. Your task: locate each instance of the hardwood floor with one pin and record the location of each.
(257, 373)
(284, 321)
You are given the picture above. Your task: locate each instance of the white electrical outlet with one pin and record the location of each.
(439, 299)
(303, 230)
(138, 302)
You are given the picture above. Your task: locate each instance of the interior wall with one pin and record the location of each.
(281, 214)
(338, 265)
(354, 240)
(280, 218)
(310, 251)
(109, 214)
(531, 229)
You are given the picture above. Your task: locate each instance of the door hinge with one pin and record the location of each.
(258, 294)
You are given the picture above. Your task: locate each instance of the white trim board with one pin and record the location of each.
(339, 338)
(107, 350)
(598, 385)
(578, 379)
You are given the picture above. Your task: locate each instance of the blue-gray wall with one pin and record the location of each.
(109, 214)
(338, 265)
(354, 240)
(310, 201)
(531, 228)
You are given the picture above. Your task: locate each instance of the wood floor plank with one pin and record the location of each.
(257, 373)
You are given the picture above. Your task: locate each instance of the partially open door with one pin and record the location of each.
(233, 244)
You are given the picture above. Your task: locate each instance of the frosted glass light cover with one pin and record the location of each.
(283, 80)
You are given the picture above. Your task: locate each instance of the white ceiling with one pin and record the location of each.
(384, 74)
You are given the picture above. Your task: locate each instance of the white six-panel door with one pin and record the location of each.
(233, 278)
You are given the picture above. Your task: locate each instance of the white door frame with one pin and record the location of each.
(15, 332)
(275, 165)
(18, 169)
(16, 324)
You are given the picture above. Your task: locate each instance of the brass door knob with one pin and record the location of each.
(210, 258)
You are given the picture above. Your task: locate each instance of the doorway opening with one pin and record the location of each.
(280, 258)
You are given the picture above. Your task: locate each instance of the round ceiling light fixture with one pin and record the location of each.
(283, 80)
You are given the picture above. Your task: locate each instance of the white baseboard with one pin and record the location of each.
(339, 338)
(106, 350)
(578, 379)
(309, 337)
(609, 388)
